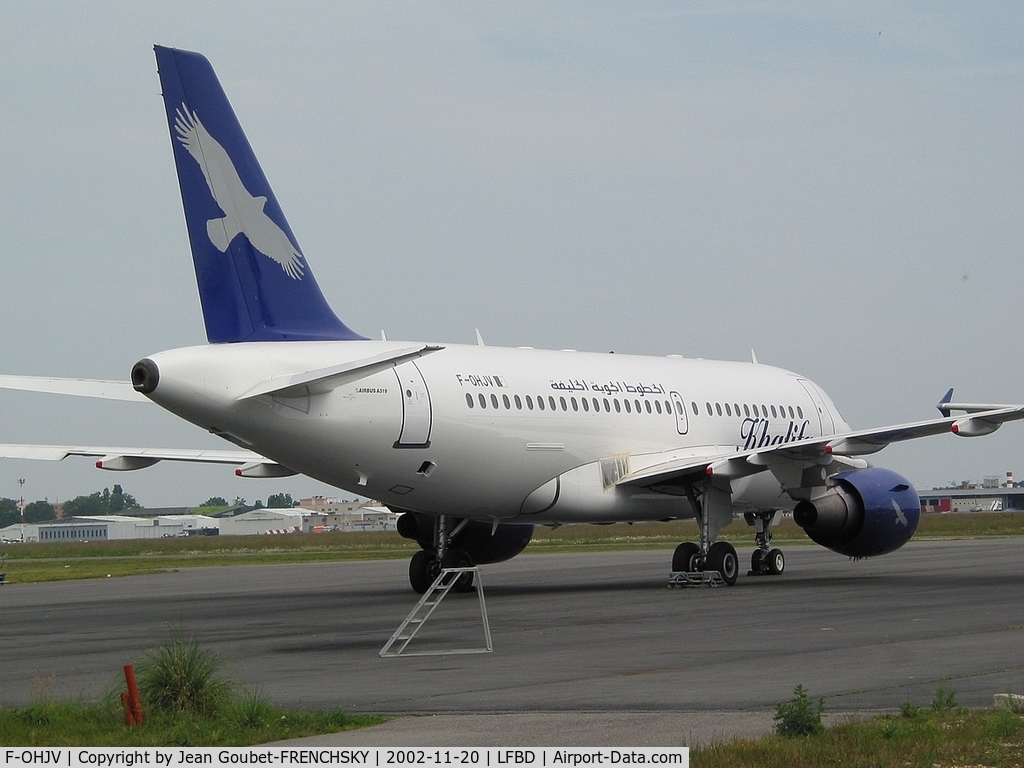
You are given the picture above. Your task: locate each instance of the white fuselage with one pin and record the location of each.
(493, 433)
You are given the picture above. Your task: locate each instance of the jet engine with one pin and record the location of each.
(867, 512)
(476, 538)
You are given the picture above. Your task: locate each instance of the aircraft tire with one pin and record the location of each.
(756, 558)
(459, 558)
(722, 557)
(684, 556)
(776, 562)
(421, 571)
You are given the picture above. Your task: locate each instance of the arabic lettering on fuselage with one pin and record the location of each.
(608, 388)
(756, 433)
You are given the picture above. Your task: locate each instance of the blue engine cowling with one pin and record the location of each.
(476, 539)
(868, 512)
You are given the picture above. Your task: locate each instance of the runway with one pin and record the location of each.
(572, 633)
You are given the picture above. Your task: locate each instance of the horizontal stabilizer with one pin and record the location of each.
(325, 379)
(95, 388)
(127, 459)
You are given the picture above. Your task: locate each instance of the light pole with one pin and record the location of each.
(21, 506)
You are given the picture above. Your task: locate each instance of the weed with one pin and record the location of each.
(909, 710)
(181, 676)
(944, 700)
(251, 711)
(800, 716)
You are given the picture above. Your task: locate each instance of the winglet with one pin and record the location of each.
(254, 283)
(944, 402)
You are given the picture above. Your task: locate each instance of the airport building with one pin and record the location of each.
(359, 517)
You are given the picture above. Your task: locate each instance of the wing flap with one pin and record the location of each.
(121, 459)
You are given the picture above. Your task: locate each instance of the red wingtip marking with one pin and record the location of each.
(956, 429)
(709, 471)
(238, 472)
(828, 449)
(99, 465)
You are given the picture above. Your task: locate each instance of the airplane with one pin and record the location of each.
(475, 445)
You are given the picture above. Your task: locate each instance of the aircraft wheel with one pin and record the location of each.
(458, 558)
(422, 571)
(756, 557)
(722, 557)
(776, 562)
(684, 556)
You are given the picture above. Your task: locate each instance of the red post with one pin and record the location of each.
(134, 702)
(129, 716)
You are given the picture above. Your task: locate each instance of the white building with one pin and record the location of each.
(108, 528)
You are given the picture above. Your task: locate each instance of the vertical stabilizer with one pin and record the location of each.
(254, 282)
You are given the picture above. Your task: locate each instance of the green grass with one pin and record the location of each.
(61, 724)
(927, 737)
(46, 561)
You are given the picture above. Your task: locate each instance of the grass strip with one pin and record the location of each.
(58, 561)
(926, 738)
(63, 724)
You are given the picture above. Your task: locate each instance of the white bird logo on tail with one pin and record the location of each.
(243, 213)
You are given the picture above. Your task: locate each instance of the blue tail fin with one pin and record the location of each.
(254, 282)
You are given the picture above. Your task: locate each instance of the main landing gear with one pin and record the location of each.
(427, 564)
(707, 558)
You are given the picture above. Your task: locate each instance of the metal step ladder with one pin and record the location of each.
(695, 579)
(425, 608)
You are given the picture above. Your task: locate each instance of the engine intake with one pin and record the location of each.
(868, 512)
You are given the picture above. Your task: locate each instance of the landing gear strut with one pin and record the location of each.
(428, 563)
(766, 560)
(713, 510)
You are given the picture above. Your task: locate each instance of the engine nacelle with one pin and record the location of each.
(476, 538)
(868, 512)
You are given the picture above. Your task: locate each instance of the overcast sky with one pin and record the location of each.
(838, 186)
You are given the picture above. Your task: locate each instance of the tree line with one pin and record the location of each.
(115, 501)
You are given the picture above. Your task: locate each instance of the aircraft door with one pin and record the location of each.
(416, 410)
(682, 421)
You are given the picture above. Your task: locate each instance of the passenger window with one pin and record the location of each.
(736, 409)
(575, 405)
(494, 400)
(773, 412)
(529, 402)
(597, 406)
(469, 400)
(679, 409)
(668, 407)
(728, 410)
(710, 412)
(586, 404)
(483, 401)
(508, 405)
(626, 403)
(551, 402)
(718, 408)
(636, 404)
(746, 410)
(519, 403)
(799, 412)
(647, 405)
(540, 402)
(561, 401)
(693, 407)
(607, 406)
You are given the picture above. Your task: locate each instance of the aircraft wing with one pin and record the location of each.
(95, 388)
(124, 459)
(742, 463)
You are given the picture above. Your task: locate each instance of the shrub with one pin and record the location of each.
(182, 676)
(800, 716)
(945, 699)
